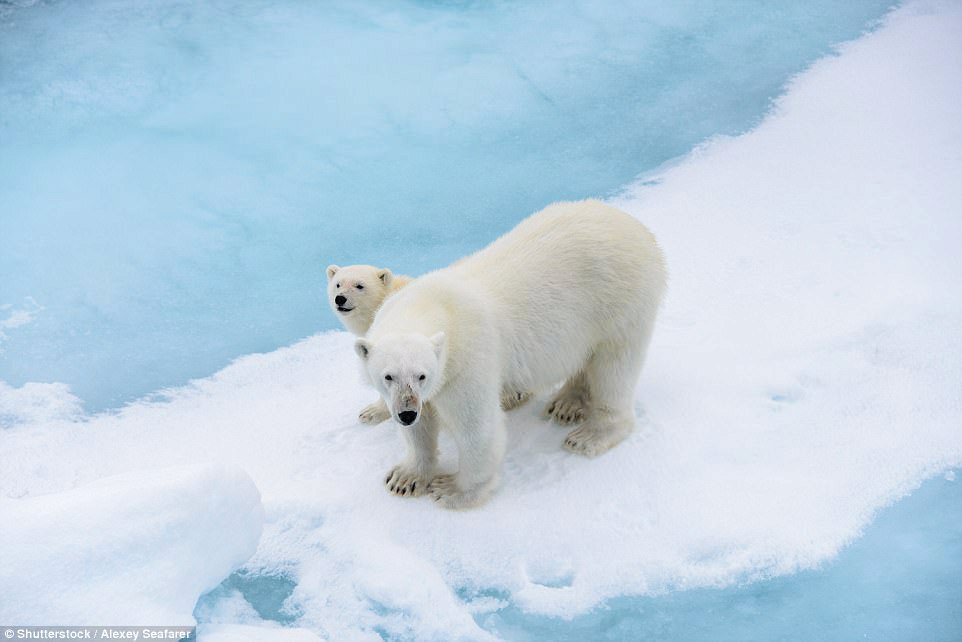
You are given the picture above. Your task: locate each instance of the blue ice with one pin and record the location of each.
(175, 176)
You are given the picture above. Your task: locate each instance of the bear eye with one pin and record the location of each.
(360, 286)
(337, 285)
(388, 378)
(422, 378)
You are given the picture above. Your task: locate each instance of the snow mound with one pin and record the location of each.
(37, 403)
(137, 548)
(806, 372)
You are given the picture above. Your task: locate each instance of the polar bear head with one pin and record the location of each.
(355, 293)
(406, 369)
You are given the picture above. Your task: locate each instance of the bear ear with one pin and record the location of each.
(363, 348)
(331, 271)
(438, 342)
(385, 275)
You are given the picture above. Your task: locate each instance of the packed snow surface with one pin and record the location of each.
(139, 547)
(807, 370)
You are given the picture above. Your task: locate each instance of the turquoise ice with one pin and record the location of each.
(175, 176)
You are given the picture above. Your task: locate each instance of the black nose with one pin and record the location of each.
(407, 417)
(340, 299)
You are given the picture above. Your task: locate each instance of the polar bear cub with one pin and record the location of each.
(568, 296)
(355, 293)
(358, 291)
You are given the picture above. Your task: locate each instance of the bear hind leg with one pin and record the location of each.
(612, 373)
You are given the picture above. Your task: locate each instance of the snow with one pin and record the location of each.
(807, 371)
(37, 403)
(139, 547)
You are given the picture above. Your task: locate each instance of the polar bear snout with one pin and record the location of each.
(342, 304)
(404, 369)
(408, 407)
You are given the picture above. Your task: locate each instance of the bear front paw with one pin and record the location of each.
(511, 399)
(442, 485)
(445, 491)
(596, 437)
(406, 482)
(374, 413)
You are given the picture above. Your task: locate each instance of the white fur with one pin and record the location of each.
(570, 295)
(365, 288)
(376, 284)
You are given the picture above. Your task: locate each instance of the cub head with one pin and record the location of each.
(406, 369)
(355, 293)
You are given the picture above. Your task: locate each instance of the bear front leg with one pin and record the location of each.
(375, 413)
(480, 440)
(411, 477)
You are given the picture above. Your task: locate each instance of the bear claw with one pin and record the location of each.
(566, 409)
(403, 482)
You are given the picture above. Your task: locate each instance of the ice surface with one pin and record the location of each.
(807, 371)
(175, 175)
(136, 548)
(900, 581)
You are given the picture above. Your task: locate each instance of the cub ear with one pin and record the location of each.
(363, 348)
(438, 342)
(331, 271)
(385, 275)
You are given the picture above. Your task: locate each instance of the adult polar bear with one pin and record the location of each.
(570, 295)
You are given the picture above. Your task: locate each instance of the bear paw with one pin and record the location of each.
(511, 399)
(593, 439)
(567, 407)
(442, 486)
(406, 482)
(374, 413)
(446, 492)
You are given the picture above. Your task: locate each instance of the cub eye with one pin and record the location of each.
(338, 286)
(422, 378)
(360, 286)
(388, 378)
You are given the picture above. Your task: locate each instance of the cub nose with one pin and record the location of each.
(340, 299)
(407, 417)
